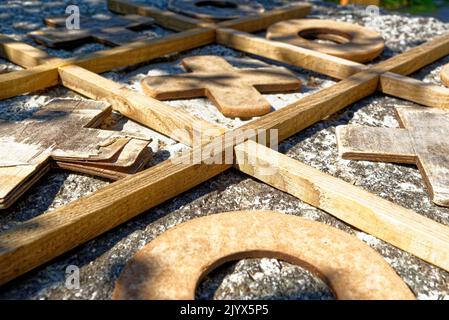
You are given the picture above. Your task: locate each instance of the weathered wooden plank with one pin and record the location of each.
(315, 107)
(22, 53)
(394, 224)
(178, 22)
(423, 142)
(165, 18)
(131, 196)
(301, 57)
(170, 121)
(45, 237)
(426, 94)
(45, 76)
(417, 57)
(113, 31)
(62, 130)
(261, 21)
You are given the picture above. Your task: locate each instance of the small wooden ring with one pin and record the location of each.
(353, 42)
(172, 265)
(215, 10)
(445, 75)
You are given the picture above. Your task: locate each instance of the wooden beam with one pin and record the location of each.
(179, 22)
(393, 84)
(264, 20)
(77, 222)
(414, 59)
(22, 53)
(165, 18)
(45, 237)
(394, 224)
(426, 94)
(279, 51)
(19, 82)
(317, 106)
(45, 76)
(172, 122)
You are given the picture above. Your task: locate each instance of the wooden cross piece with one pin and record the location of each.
(113, 31)
(63, 131)
(423, 140)
(26, 246)
(234, 91)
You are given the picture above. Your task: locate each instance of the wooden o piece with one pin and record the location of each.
(173, 264)
(234, 91)
(445, 75)
(215, 10)
(422, 140)
(353, 42)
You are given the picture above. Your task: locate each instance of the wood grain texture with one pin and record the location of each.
(165, 18)
(170, 121)
(350, 41)
(422, 141)
(235, 92)
(316, 106)
(112, 31)
(301, 57)
(216, 10)
(21, 53)
(414, 59)
(179, 22)
(45, 237)
(394, 224)
(394, 84)
(62, 130)
(410, 89)
(264, 20)
(177, 177)
(172, 265)
(27, 246)
(46, 76)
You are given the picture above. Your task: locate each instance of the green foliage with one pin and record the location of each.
(411, 6)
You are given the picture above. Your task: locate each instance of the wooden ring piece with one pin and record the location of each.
(172, 265)
(445, 75)
(353, 42)
(213, 10)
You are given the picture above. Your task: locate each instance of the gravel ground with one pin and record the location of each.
(101, 260)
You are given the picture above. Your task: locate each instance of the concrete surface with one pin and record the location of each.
(101, 260)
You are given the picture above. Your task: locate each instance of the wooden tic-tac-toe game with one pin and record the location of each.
(74, 140)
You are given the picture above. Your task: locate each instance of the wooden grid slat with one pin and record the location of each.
(43, 238)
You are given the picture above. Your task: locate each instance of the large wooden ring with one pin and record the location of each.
(353, 42)
(214, 10)
(172, 265)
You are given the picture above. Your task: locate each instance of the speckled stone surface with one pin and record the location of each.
(101, 260)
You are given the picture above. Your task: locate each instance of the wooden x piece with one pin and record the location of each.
(113, 31)
(421, 141)
(59, 132)
(234, 91)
